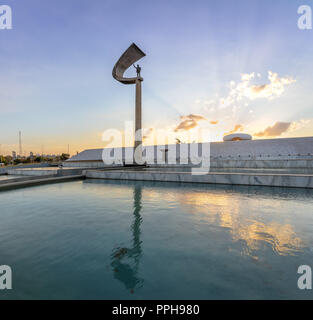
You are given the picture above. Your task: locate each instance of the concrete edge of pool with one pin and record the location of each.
(249, 179)
(39, 181)
(226, 178)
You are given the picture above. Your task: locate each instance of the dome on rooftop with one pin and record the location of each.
(237, 137)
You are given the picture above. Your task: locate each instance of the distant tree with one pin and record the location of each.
(64, 156)
(37, 159)
(8, 160)
(26, 160)
(17, 161)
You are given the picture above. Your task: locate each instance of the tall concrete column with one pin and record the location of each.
(138, 121)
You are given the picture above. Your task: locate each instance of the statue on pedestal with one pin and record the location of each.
(138, 70)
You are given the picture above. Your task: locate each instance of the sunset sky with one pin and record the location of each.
(226, 65)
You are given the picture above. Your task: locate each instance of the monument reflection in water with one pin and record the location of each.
(125, 261)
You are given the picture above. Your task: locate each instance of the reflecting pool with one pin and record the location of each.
(146, 240)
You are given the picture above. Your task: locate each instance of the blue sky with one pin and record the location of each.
(56, 65)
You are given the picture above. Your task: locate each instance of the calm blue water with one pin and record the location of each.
(140, 240)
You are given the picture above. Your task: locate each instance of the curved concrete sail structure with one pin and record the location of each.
(128, 58)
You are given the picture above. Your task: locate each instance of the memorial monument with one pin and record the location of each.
(128, 58)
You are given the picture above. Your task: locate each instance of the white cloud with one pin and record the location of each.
(245, 89)
(297, 125)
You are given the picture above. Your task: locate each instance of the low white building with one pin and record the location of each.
(248, 150)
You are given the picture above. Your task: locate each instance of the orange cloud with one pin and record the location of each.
(238, 127)
(276, 130)
(189, 122)
(186, 125)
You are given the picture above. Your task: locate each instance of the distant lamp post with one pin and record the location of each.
(128, 58)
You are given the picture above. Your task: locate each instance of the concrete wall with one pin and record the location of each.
(30, 172)
(43, 172)
(276, 163)
(270, 148)
(83, 164)
(276, 180)
(24, 166)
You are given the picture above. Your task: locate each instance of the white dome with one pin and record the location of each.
(237, 137)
